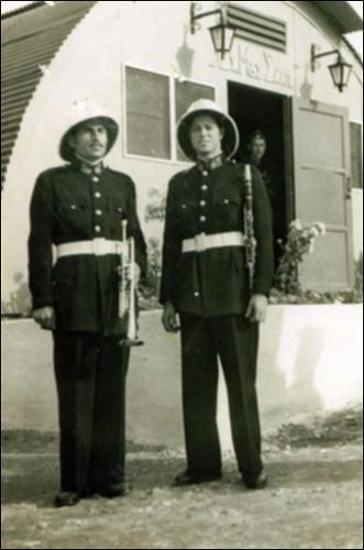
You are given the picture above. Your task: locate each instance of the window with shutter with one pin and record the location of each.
(147, 114)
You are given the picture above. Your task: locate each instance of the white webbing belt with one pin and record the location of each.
(202, 242)
(97, 247)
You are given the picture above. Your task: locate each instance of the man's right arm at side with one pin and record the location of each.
(40, 252)
(170, 256)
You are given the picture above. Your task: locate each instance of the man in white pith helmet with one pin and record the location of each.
(78, 208)
(209, 229)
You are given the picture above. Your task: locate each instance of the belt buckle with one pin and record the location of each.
(200, 242)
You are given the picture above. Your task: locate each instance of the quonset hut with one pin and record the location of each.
(143, 62)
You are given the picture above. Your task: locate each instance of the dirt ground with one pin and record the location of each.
(314, 498)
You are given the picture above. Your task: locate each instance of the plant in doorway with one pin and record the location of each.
(300, 241)
(287, 287)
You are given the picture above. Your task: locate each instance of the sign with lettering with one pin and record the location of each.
(258, 64)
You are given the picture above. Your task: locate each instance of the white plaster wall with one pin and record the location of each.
(310, 360)
(311, 27)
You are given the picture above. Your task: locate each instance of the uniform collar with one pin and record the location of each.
(211, 164)
(88, 169)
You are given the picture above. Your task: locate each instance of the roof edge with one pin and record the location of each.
(342, 14)
(353, 50)
(22, 9)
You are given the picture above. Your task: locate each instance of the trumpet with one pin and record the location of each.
(251, 243)
(127, 288)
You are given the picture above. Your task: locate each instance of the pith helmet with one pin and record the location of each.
(230, 141)
(86, 111)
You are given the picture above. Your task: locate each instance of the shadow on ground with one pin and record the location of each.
(313, 500)
(32, 478)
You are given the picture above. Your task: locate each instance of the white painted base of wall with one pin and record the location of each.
(310, 360)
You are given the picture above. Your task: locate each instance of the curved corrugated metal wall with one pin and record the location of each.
(30, 39)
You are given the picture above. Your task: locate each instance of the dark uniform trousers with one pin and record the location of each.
(235, 341)
(210, 291)
(74, 203)
(90, 376)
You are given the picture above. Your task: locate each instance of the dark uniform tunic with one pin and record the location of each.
(210, 290)
(76, 203)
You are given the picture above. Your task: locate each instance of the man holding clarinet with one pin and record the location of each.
(216, 275)
(80, 210)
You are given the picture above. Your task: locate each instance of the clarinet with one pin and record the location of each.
(250, 241)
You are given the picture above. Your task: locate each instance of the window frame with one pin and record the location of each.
(126, 154)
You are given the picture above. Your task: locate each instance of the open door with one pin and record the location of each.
(322, 191)
(254, 110)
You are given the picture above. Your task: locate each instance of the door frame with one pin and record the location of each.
(298, 104)
(287, 130)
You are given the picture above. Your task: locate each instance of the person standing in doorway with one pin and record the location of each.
(206, 283)
(78, 209)
(257, 156)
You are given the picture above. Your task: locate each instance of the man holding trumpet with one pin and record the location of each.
(217, 272)
(81, 210)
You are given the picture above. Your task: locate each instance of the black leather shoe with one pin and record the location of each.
(185, 478)
(255, 481)
(115, 490)
(87, 492)
(66, 498)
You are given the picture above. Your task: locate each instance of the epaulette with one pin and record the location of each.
(54, 170)
(238, 166)
(189, 169)
(183, 173)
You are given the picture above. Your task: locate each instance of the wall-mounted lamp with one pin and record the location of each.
(339, 71)
(222, 35)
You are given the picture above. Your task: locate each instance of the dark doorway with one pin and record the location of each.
(256, 110)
